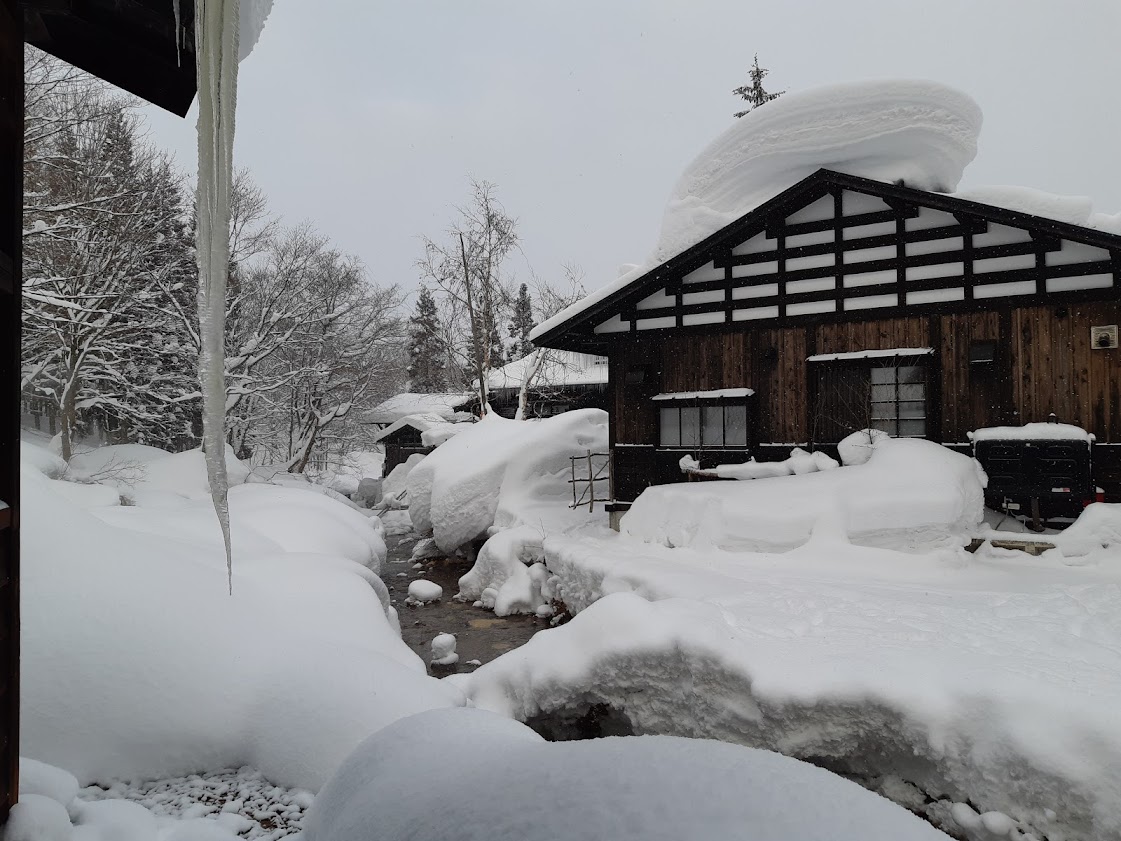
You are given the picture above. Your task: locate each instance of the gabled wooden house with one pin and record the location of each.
(147, 48)
(844, 303)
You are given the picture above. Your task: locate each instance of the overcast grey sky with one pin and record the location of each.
(368, 118)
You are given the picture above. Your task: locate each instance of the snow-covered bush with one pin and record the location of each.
(476, 777)
(910, 494)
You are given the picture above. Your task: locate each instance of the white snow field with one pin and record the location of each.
(479, 777)
(990, 680)
(910, 494)
(138, 665)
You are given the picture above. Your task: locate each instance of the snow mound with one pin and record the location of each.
(957, 692)
(1074, 210)
(443, 650)
(924, 133)
(423, 591)
(137, 664)
(476, 776)
(397, 481)
(484, 475)
(911, 494)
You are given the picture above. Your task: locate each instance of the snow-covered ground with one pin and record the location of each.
(991, 679)
(474, 775)
(138, 665)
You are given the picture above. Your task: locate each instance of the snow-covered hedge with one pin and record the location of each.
(474, 776)
(910, 494)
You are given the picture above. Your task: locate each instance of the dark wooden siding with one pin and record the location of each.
(1043, 364)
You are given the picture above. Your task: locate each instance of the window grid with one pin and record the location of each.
(699, 426)
(898, 395)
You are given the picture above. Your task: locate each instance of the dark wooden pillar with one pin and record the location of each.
(11, 213)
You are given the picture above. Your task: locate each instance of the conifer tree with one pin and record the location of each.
(521, 324)
(754, 92)
(427, 362)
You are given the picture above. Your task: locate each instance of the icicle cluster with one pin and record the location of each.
(216, 54)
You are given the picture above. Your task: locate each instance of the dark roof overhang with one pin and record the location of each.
(133, 44)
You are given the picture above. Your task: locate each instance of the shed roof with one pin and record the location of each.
(444, 405)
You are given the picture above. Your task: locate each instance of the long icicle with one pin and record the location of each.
(216, 54)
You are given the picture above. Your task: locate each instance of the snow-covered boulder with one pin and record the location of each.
(910, 494)
(474, 776)
(489, 472)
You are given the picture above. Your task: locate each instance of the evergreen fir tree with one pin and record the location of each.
(426, 352)
(754, 92)
(521, 325)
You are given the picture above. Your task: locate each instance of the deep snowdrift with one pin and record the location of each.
(1074, 210)
(136, 664)
(476, 776)
(937, 686)
(910, 494)
(491, 472)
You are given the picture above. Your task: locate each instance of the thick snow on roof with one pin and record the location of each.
(559, 368)
(443, 404)
(253, 14)
(1032, 432)
(423, 422)
(1074, 210)
(924, 133)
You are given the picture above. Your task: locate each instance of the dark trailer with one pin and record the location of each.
(147, 48)
(845, 303)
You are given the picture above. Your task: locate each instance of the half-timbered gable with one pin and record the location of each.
(846, 303)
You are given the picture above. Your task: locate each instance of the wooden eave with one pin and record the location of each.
(576, 333)
(133, 44)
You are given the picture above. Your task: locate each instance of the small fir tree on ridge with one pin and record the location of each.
(754, 92)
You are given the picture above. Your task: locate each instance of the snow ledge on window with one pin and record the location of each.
(705, 395)
(871, 354)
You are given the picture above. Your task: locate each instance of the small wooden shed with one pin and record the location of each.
(147, 48)
(844, 303)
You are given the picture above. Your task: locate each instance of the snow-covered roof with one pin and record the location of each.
(701, 395)
(423, 422)
(871, 354)
(252, 15)
(1032, 432)
(1073, 210)
(923, 133)
(559, 368)
(443, 404)
(918, 133)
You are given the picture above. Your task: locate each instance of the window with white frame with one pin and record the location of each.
(695, 424)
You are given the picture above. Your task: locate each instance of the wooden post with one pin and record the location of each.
(11, 226)
(591, 485)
